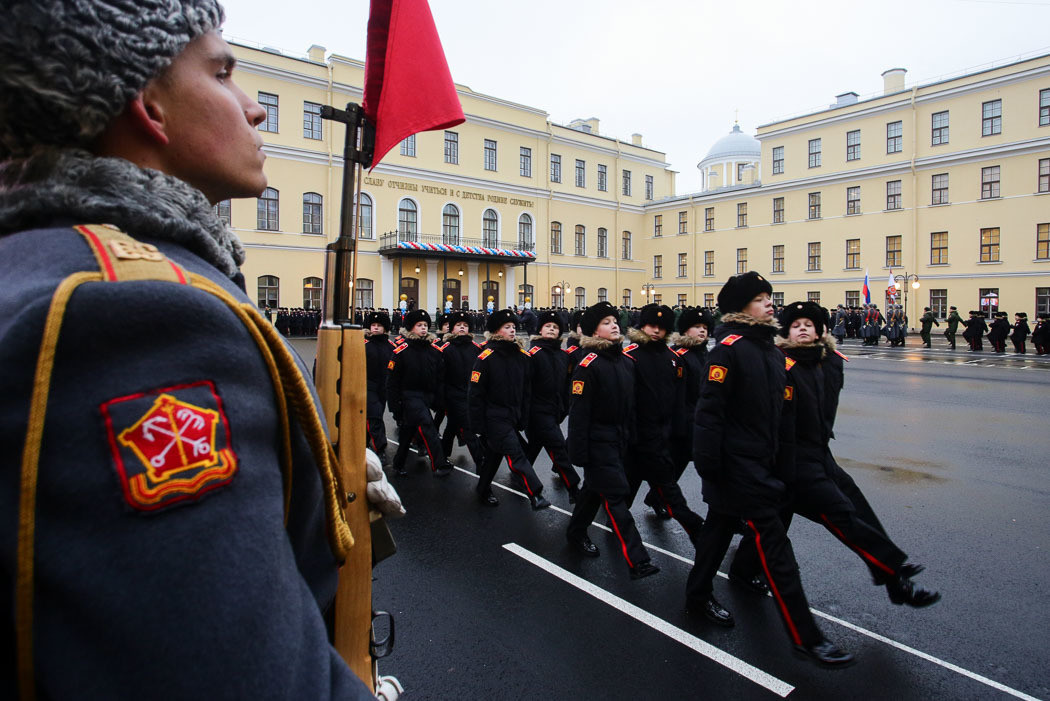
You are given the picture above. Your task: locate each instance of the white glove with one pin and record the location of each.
(380, 492)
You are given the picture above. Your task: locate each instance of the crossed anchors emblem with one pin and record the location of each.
(173, 436)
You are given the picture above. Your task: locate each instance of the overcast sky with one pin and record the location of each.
(678, 71)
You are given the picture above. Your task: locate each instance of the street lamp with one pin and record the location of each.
(900, 281)
(560, 288)
(648, 291)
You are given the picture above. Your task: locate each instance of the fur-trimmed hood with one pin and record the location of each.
(821, 347)
(641, 338)
(449, 336)
(409, 336)
(369, 334)
(594, 343)
(491, 339)
(536, 337)
(683, 341)
(747, 320)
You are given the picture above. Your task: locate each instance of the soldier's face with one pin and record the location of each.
(698, 331)
(421, 328)
(802, 331)
(761, 307)
(608, 328)
(550, 330)
(654, 332)
(507, 331)
(461, 328)
(377, 328)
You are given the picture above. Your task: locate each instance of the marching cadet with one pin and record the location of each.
(415, 387)
(998, 332)
(952, 329)
(659, 404)
(975, 330)
(459, 351)
(743, 448)
(928, 321)
(379, 348)
(815, 372)
(499, 408)
(601, 421)
(572, 342)
(1041, 334)
(549, 366)
(1020, 332)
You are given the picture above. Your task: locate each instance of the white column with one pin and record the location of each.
(511, 288)
(474, 287)
(388, 273)
(432, 286)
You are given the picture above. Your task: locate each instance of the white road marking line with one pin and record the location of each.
(735, 664)
(845, 624)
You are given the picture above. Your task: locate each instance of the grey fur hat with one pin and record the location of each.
(68, 67)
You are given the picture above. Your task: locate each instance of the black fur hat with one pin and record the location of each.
(739, 290)
(499, 318)
(694, 315)
(574, 320)
(593, 315)
(798, 310)
(414, 317)
(549, 317)
(378, 318)
(456, 317)
(659, 315)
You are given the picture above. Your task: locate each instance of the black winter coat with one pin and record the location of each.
(659, 397)
(999, 330)
(418, 371)
(378, 351)
(499, 388)
(549, 366)
(601, 416)
(692, 358)
(459, 353)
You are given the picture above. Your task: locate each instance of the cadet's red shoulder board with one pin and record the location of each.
(442, 347)
(534, 350)
(401, 348)
(524, 352)
(788, 363)
(485, 353)
(842, 356)
(588, 360)
(571, 349)
(681, 351)
(628, 349)
(731, 339)
(476, 344)
(392, 342)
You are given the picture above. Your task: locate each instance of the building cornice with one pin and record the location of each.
(281, 74)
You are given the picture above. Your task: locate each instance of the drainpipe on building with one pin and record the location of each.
(915, 197)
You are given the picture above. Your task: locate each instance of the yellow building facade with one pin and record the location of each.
(949, 182)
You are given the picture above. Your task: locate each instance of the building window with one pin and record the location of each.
(893, 194)
(311, 120)
(683, 299)
(364, 221)
(363, 291)
(658, 266)
(939, 128)
(939, 248)
(490, 154)
(603, 294)
(555, 168)
(525, 162)
(581, 240)
(408, 146)
(709, 300)
(683, 222)
(683, 267)
(709, 263)
(450, 225)
(940, 189)
(312, 211)
(1044, 107)
(267, 211)
(407, 220)
(813, 297)
(658, 225)
(814, 153)
(650, 187)
(853, 200)
(778, 258)
(581, 298)
(490, 229)
(989, 182)
(581, 173)
(603, 178)
(452, 147)
(778, 299)
(1042, 300)
(852, 254)
(627, 297)
(312, 293)
(1044, 175)
(526, 241)
(603, 243)
(939, 302)
(709, 219)
(741, 261)
(893, 251)
(740, 172)
(627, 245)
(269, 291)
(853, 145)
(1042, 242)
(741, 214)
(557, 296)
(223, 210)
(852, 298)
(525, 293)
(894, 137)
(269, 103)
(626, 183)
(814, 205)
(555, 237)
(989, 300)
(778, 210)
(813, 257)
(991, 117)
(778, 160)
(990, 245)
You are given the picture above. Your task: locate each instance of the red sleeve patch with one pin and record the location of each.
(717, 373)
(170, 445)
(475, 376)
(588, 360)
(577, 386)
(789, 393)
(731, 339)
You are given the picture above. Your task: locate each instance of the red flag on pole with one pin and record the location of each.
(408, 87)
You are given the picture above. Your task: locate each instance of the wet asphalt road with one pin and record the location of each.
(950, 449)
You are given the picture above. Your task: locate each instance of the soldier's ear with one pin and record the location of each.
(146, 115)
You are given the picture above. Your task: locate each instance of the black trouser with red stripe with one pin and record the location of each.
(375, 426)
(655, 467)
(457, 415)
(545, 433)
(1018, 345)
(416, 420)
(502, 440)
(605, 487)
(776, 559)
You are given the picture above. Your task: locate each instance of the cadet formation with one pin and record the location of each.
(754, 415)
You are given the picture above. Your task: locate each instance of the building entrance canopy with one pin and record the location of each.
(395, 244)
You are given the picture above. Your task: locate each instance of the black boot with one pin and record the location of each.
(826, 654)
(904, 591)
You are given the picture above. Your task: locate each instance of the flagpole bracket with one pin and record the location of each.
(360, 145)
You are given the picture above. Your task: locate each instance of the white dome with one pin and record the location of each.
(736, 145)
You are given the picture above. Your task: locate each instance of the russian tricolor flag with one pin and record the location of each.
(867, 292)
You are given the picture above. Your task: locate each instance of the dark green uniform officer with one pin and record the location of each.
(928, 321)
(953, 322)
